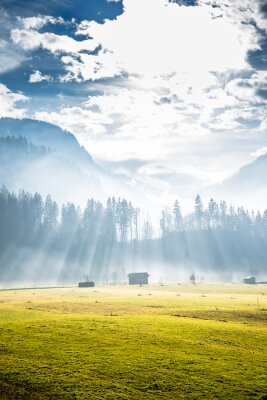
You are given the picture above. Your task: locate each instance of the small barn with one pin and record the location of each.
(138, 278)
(250, 280)
(86, 284)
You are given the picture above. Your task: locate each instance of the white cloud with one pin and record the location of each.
(123, 125)
(263, 125)
(246, 12)
(246, 89)
(31, 40)
(83, 67)
(259, 152)
(10, 103)
(240, 106)
(154, 37)
(37, 76)
(10, 57)
(77, 120)
(39, 21)
(196, 56)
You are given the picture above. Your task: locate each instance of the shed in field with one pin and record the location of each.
(86, 284)
(138, 278)
(250, 280)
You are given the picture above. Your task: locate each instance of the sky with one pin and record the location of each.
(170, 93)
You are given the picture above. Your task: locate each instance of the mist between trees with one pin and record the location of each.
(41, 241)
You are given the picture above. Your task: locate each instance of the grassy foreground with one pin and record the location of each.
(154, 342)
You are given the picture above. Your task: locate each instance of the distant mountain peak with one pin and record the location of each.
(42, 133)
(248, 186)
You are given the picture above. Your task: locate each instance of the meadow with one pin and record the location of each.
(180, 341)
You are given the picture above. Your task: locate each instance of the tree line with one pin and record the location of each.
(216, 236)
(25, 217)
(215, 216)
(11, 147)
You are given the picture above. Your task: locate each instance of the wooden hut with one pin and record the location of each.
(138, 278)
(250, 280)
(86, 284)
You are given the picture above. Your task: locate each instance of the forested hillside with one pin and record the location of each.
(12, 148)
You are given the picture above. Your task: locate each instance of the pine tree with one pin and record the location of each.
(199, 212)
(50, 215)
(177, 216)
(258, 225)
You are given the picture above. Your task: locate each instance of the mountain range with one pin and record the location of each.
(39, 156)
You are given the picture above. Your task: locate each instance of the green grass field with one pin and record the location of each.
(120, 342)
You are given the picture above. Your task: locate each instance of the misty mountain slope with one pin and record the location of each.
(60, 167)
(45, 134)
(37, 168)
(247, 187)
(37, 156)
(250, 175)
